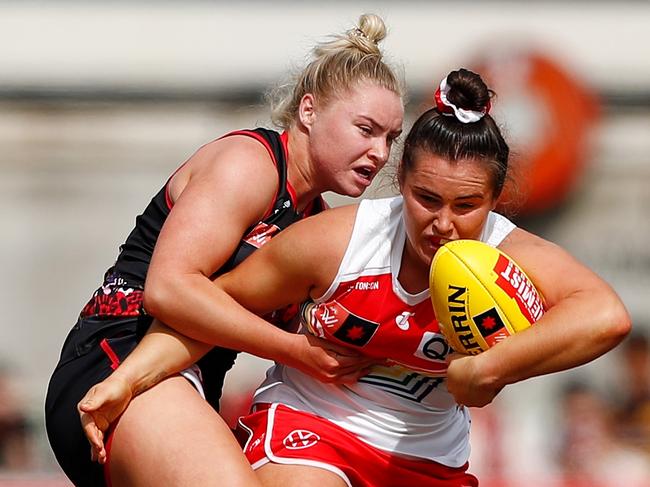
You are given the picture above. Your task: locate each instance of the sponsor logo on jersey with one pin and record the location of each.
(261, 234)
(457, 306)
(402, 321)
(333, 319)
(366, 285)
(433, 347)
(300, 439)
(516, 285)
(356, 331)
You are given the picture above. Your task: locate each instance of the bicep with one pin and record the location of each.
(228, 193)
(556, 274)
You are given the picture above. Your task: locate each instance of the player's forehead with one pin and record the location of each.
(438, 175)
(368, 99)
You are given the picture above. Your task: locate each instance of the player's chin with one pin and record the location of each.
(429, 249)
(426, 254)
(361, 181)
(352, 190)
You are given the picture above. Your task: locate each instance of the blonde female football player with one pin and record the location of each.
(227, 200)
(363, 273)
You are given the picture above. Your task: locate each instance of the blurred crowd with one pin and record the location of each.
(16, 434)
(602, 436)
(605, 439)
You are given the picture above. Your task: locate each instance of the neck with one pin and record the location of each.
(300, 173)
(412, 275)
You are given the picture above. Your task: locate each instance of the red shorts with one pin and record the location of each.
(283, 435)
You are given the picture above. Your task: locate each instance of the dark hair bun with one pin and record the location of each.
(467, 90)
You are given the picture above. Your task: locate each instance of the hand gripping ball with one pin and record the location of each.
(480, 295)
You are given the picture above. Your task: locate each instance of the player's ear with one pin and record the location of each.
(307, 110)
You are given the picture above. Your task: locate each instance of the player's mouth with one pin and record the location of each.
(365, 175)
(436, 242)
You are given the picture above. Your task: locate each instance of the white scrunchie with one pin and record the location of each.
(463, 115)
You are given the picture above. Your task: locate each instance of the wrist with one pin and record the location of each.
(287, 346)
(487, 371)
(136, 382)
(122, 380)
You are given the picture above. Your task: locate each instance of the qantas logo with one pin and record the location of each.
(433, 347)
(300, 439)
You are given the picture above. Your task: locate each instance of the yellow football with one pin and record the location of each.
(480, 295)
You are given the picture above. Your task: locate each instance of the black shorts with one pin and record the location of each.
(93, 348)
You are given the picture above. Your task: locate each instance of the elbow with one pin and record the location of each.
(623, 325)
(617, 323)
(157, 296)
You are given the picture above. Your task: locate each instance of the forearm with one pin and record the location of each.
(161, 353)
(203, 311)
(575, 331)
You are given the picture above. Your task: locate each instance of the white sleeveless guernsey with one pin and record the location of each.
(403, 408)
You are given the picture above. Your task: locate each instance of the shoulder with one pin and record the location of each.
(496, 229)
(528, 249)
(326, 226)
(520, 242)
(230, 166)
(235, 154)
(310, 250)
(323, 236)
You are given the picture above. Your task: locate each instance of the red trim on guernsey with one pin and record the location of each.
(115, 360)
(309, 209)
(284, 138)
(168, 199)
(264, 142)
